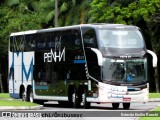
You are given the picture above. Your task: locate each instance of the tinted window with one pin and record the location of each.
(70, 39)
(30, 44)
(17, 43)
(89, 37)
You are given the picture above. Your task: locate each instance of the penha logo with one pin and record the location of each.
(57, 53)
(49, 57)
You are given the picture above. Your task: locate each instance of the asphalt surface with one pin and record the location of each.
(39, 107)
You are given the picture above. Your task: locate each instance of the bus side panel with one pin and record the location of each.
(27, 68)
(15, 60)
(11, 75)
(20, 71)
(60, 64)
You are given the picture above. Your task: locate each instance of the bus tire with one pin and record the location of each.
(30, 96)
(73, 97)
(86, 104)
(24, 97)
(75, 100)
(126, 105)
(31, 99)
(115, 105)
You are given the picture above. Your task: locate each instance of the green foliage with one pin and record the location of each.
(154, 95)
(105, 12)
(16, 103)
(6, 14)
(6, 100)
(97, 11)
(45, 9)
(4, 96)
(72, 20)
(14, 18)
(63, 7)
(77, 14)
(12, 2)
(13, 21)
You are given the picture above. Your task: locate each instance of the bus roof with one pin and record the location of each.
(95, 25)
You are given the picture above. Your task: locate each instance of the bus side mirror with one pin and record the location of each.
(154, 56)
(99, 56)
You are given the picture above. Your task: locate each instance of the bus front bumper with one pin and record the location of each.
(120, 94)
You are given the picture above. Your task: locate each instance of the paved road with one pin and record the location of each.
(136, 107)
(95, 110)
(101, 107)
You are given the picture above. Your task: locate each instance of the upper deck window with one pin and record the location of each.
(120, 38)
(89, 37)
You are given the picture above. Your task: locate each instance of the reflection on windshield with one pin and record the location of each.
(124, 70)
(121, 38)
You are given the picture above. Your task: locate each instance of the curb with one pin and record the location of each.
(154, 100)
(39, 107)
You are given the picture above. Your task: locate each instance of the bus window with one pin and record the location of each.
(30, 42)
(17, 43)
(53, 74)
(74, 64)
(131, 70)
(121, 38)
(11, 44)
(42, 41)
(51, 41)
(89, 37)
(73, 36)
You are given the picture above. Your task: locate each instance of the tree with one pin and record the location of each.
(5, 13)
(13, 19)
(78, 13)
(46, 8)
(56, 14)
(69, 12)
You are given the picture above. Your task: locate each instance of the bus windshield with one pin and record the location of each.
(120, 71)
(120, 38)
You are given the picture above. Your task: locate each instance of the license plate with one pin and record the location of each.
(126, 99)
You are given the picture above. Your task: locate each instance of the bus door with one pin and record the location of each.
(93, 69)
(90, 41)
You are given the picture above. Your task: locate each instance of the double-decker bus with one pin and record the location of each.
(80, 64)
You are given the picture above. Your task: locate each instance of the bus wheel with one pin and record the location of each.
(24, 95)
(126, 105)
(75, 100)
(30, 97)
(115, 105)
(85, 103)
